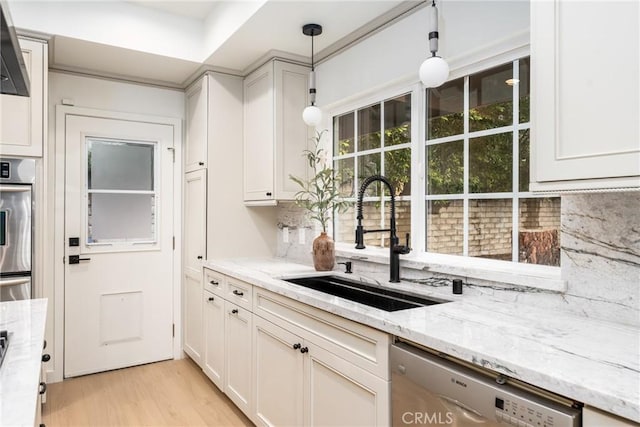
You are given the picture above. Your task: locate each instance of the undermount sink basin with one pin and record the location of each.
(374, 296)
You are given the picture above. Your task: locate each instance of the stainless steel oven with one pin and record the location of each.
(16, 228)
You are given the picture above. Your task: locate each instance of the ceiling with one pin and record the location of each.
(171, 42)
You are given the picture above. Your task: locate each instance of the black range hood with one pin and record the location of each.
(14, 79)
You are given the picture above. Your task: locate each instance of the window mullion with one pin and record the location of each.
(516, 165)
(465, 223)
(418, 168)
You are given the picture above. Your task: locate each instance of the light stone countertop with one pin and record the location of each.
(20, 371)
(591, 361)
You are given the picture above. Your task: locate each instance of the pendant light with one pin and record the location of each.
(312, 114)
(434, 70)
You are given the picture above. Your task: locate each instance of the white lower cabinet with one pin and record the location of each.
(214, 354)
(340, 393)
(284, 363)
(299, 377)
(192, 328)
(238, 355)
(299, 383)
(278, 375)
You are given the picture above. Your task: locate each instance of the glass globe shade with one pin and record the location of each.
(312, 115)
(434, 71)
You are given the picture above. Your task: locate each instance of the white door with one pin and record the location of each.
(119, 228)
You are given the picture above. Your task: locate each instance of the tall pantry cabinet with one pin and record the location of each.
(213, 121)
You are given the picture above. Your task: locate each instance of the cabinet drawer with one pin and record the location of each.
(361, 345)
(239, 292)
(214, 282)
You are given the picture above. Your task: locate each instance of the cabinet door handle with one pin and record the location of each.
(269, 194)
(46, 357)
(200, 163)
(213, 282)
(199, 256)
(43, 388)
(304, 350)
(234, 311)
(238, 293)
(297, 346)
(210, 298)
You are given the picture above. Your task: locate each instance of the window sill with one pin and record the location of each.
(522, 275)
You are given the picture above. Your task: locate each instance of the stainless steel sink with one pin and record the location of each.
(371, 295)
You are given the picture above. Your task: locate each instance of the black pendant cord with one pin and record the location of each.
(313, 68)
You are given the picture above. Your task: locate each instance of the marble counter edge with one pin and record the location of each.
(259, 274)
(21, 401)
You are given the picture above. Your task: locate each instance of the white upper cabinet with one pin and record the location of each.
(21, 117)
(585, 96)
(274, 134)
(197, 110)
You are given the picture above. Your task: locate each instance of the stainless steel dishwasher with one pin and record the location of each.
(429, 390)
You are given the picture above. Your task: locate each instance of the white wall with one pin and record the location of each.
(99, 94)
(469, 31)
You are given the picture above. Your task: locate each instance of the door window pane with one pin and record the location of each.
(114, 217)
(445, 170)
(445, 226)
(445, 108)
(491, 98)
(490, 164)
(369, 128)
(397, 120)
(343, 134)
(116, 165)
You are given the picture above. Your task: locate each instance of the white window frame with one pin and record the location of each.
(508, 272)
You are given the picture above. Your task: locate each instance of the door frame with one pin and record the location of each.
(57, 305)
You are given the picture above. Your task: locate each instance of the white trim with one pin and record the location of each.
(62, 111)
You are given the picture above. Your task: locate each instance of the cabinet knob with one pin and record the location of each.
(304, 350)
(213, 282)
(234, 311)
(43, 388)
(46, 357)
(269, 194)
(210, 298)
(238, 293)
(199, 257)
(200, 163)
(297, 346)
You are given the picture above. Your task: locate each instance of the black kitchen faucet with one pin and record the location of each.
(394, 248)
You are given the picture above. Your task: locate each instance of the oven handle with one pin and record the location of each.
(15, 188)
(12, 282)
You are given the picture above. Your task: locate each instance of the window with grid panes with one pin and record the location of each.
(374, 140)
(476, 169)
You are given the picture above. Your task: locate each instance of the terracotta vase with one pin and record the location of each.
(324, 255)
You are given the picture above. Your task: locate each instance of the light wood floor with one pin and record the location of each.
(171, 393)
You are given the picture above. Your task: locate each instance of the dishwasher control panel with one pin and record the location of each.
(519, 413)
(430, 390)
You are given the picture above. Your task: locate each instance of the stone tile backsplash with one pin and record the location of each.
(600, 259)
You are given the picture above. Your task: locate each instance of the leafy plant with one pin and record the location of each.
(319, 195)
